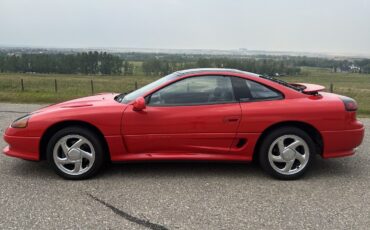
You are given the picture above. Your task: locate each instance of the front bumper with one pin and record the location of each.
(342, 143)
(22, 147)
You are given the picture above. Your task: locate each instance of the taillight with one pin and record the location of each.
(349, 103)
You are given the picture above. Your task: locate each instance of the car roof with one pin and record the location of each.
(206, 70)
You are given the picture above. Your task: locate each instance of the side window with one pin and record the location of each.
(259, 91)
(195, 91)
(248, 90)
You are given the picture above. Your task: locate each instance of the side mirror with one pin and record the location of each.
(139, 104)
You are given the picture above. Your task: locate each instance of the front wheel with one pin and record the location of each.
(75, 153)
(286, 153)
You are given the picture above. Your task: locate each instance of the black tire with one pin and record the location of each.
(279, 134)
(93, 140)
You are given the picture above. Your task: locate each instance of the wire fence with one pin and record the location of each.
(80, 85)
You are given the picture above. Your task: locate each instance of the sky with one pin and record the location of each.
(329, 26)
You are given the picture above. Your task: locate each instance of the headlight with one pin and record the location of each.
(21, 122)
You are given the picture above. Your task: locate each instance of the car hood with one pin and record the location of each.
(96, 100)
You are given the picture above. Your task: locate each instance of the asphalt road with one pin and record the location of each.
(335, 194)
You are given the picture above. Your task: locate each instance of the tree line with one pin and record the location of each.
(155, 64)
(159, 64)
(84, 63)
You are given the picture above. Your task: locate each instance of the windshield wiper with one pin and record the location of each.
(281, 82)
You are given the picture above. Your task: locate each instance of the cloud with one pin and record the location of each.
(319, 26)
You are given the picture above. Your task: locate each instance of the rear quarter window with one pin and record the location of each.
(259, 91)
(248, 90)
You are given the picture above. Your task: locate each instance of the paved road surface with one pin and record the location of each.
(335, 194)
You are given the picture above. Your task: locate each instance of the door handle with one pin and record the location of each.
(231, 119)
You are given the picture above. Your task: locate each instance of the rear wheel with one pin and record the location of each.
(286, 153)
(75, 153)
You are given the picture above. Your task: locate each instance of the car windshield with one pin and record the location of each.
(141, 91)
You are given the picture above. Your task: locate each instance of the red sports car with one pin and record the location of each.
(197, 114)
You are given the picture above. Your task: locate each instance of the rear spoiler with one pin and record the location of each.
(309, 88)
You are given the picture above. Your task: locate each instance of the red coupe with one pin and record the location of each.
(196, 114)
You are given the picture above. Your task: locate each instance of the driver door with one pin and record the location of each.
(195, 115)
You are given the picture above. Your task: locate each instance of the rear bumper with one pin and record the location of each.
(341, 143)
(22, 147)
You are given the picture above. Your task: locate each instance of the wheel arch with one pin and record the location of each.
(63, 124)
(311, 130)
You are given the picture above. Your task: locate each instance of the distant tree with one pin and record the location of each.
(128, 68)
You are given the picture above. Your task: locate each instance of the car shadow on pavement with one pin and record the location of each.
(320, 168)
(24, 168)
(335, 168)
(184, 169)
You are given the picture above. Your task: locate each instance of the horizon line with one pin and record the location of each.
(155, 50)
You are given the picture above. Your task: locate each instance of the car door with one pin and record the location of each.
(259, 103)
(260, 107)
(195, 115)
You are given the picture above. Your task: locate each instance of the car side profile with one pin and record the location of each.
(196, 114)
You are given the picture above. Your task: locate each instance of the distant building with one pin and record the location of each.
(354, 69)
(345, 69)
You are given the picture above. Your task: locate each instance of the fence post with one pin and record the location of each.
(92, 87)
(22, 85)
(55, 85)
(331, 87)
(135, 84)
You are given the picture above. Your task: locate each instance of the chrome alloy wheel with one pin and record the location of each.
(288, 154)
(74, 154)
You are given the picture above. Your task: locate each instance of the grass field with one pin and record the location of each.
(40, 88)
(352, 85)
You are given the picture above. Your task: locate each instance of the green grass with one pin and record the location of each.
(39, 88)
(352, 85)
